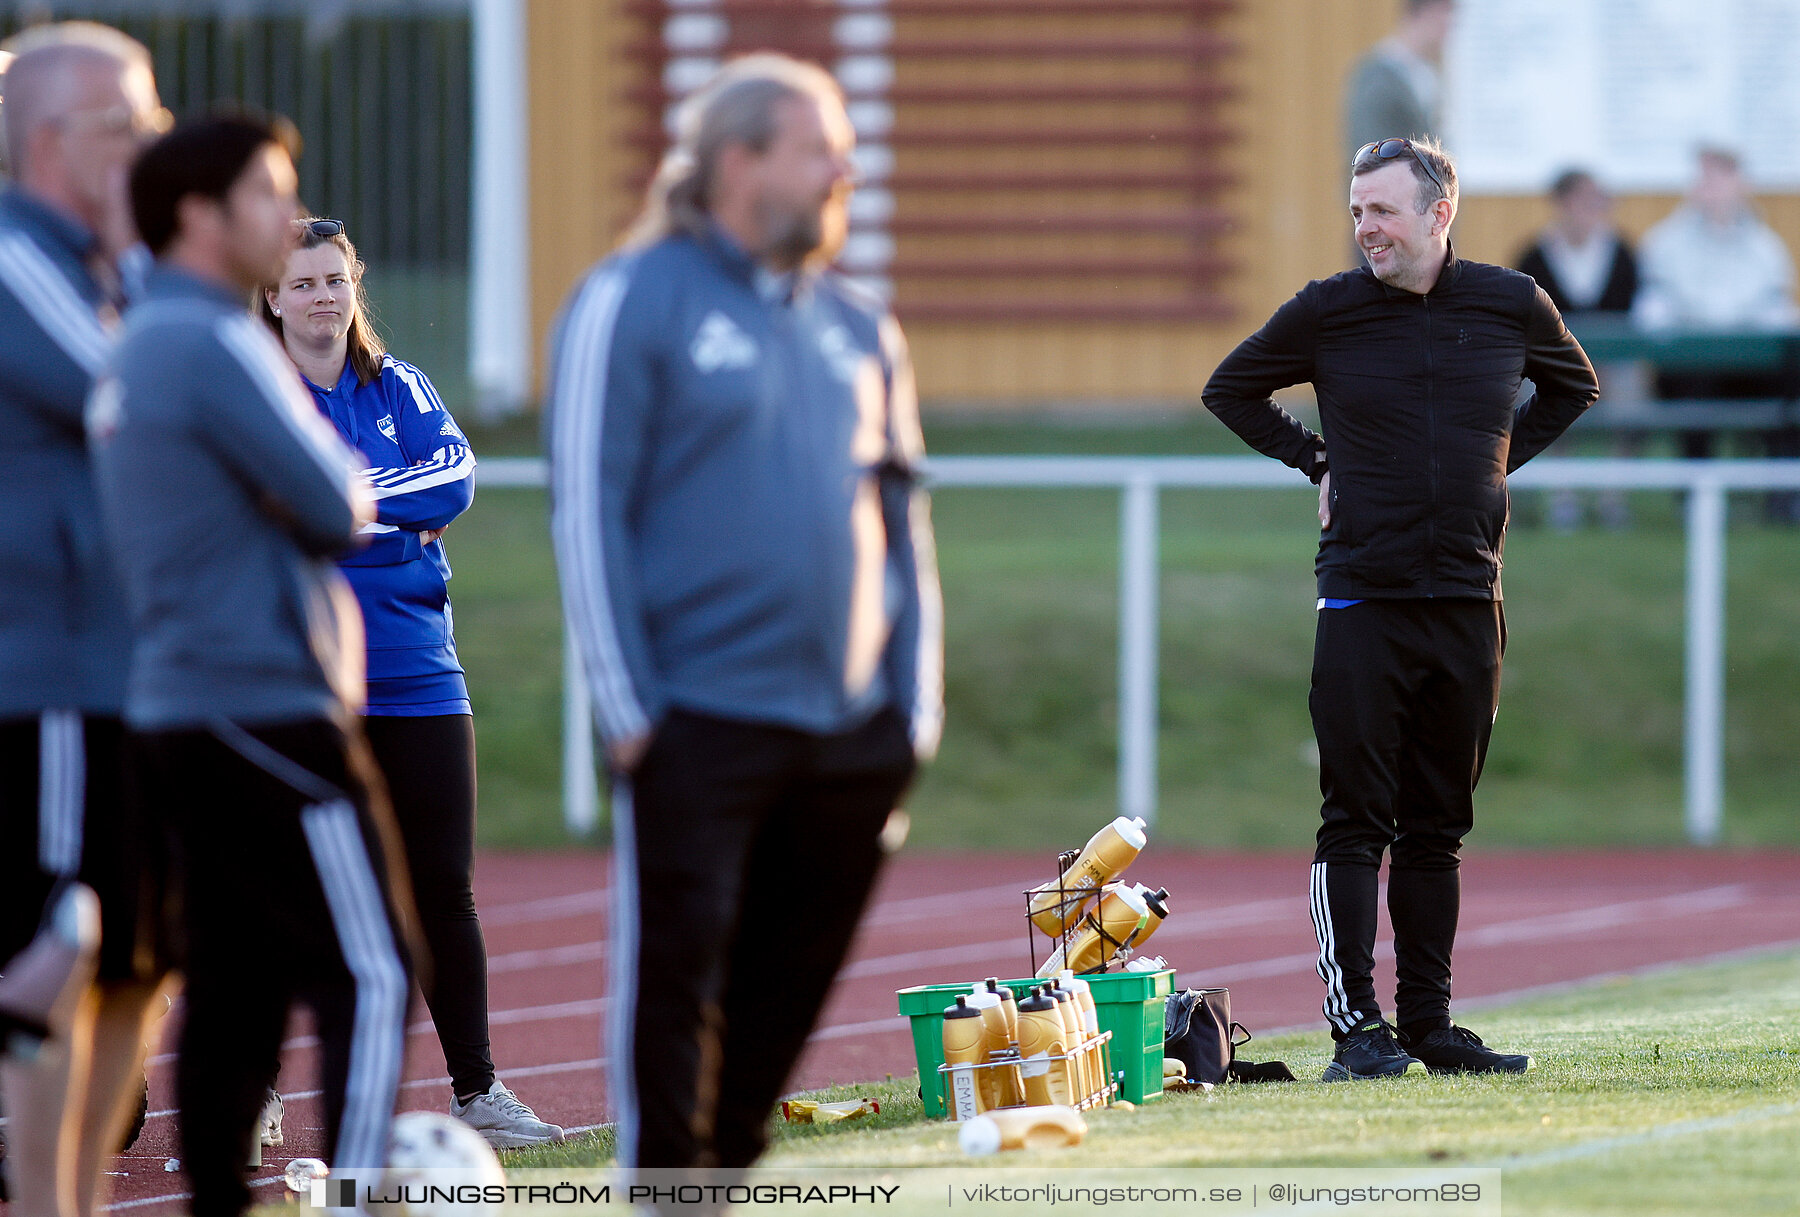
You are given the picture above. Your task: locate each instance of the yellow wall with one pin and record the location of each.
(578, 201)
(1291, 225)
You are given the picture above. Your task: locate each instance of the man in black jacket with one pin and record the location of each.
(1416, 360)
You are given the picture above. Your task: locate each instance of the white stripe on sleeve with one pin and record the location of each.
(268, 369)
(52, 302)
(928, 694)
(578, 412)
(424, 395)
(450, 464)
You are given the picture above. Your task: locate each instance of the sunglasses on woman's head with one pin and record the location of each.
(325, 228)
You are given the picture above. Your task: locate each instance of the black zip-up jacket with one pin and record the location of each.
(1416, 401)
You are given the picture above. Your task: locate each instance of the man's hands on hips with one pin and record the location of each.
(623, 756)
(1324, 488)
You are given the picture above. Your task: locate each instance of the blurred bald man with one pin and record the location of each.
(81, 968)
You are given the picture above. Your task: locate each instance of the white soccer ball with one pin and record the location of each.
(439, 1167)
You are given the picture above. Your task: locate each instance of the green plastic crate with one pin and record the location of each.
(1128, 1004)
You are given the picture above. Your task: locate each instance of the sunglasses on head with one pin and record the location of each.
(1391, 149)
(325, 228)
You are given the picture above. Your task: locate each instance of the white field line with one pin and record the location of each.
(920, 908)
(496, 1018)
(1555, 987)
(1553, 926)
(546, 957)
(593, 1064)
(1659, 1132)
(549, 908)
(1179, 925)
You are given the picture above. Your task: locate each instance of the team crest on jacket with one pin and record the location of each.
(386, 423)
(719, 345)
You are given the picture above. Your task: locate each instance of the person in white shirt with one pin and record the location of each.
(1714, 265)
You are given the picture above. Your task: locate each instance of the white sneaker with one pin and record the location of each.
(503, 1121)
(268, 1120)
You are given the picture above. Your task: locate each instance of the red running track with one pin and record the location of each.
(1528, 920)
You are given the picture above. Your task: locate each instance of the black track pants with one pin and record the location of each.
(278, 836)
(744, 856)
(429, 764)
(1404, 694)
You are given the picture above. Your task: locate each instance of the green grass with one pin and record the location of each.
(1615, 1060)
(1587, 751)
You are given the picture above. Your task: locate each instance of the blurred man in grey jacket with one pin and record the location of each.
(227, 495)
(746, 561)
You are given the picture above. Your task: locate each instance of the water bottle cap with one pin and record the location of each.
(1131, 831)
(962, 1009)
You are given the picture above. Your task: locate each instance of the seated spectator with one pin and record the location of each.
(1587, 269)
(1580, 260)
(1714, 265)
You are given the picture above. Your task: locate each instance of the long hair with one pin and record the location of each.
(737, 106)
(363, 344)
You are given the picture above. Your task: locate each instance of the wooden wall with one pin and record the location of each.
(1290, 225)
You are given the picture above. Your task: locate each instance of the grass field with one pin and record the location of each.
(1668, 1093)
(1587, 750)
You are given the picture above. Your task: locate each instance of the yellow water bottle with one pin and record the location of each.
(996, 1051)
(1043, 1047)
(1075, 1038)
(1121, 914)
(963, 1052)
(1003, 1044)
(1105, 856)
(1091, 1056)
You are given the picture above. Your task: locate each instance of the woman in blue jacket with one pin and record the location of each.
(418, 722)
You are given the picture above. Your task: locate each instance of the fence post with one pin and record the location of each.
(499, 212)
(1705, 743)
(581, 798)
(1138, 648)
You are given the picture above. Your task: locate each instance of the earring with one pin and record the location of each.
(277, 312)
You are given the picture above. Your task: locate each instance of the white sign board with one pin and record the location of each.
(1626, 88)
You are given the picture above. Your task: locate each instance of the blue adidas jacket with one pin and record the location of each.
(738, 526)
(64, 635)
(423, 476)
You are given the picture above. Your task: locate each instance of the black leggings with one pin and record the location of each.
(429, 764)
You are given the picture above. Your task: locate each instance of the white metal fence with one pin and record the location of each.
(1140, 479)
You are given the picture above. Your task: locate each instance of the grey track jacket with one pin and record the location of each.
(226, 495)
(63, 633)
(737, 522)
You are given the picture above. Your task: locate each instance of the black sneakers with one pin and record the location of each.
(1460, 1050)
(1370, 1051)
